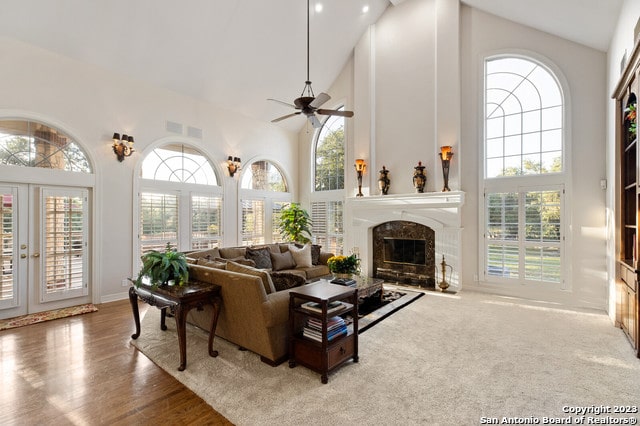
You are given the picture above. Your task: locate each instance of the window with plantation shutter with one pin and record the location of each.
(8, 293)
(65, 244)
(180, 200)
(252, 222)
(263, 193)
(158, 221)
(327, 217)
(206, 212)
(524, 175)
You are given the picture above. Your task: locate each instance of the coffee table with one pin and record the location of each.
(368, 286)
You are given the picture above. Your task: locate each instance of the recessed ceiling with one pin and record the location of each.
(236, 54)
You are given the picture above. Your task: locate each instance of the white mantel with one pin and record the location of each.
(440, 211)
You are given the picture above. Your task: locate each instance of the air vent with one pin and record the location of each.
(194, 132)
(174, 127)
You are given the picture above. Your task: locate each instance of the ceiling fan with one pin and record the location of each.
(308, 104)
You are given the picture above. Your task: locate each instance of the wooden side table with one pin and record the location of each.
(179, 300)
(327, 353)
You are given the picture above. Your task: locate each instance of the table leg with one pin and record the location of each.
(163, 319)
(181, 327)
(133, 298)
(214, 322)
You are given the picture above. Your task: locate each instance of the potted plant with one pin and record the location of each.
(295, 224)
(344, 266)
(165, 267)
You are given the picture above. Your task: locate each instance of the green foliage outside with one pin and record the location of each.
(330, 161)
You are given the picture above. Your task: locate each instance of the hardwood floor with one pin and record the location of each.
(83, 370)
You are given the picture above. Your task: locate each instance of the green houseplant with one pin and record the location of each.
(295, 224)
(162, 267)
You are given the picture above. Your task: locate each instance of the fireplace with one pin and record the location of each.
(389, 233)
(404, 252)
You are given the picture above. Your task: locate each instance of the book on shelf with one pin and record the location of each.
(336, 327)
(317, 307)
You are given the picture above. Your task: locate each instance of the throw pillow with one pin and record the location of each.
(232, 252)
(315, 254)
(282, 261)
(241, 260)
(266, 278)
(260, 256)
(211, 263)
(286, 280)
(302, 256)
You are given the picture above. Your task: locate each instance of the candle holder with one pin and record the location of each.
(360, 166)
(445, 156)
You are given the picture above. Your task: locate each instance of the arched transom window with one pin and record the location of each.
(264, 193)
(31, 144)
(180, 200)
(178, 163)
(524, 118)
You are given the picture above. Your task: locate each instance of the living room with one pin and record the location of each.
(413, 75)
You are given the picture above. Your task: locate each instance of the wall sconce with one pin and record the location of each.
(445, 156)
(233, 164)
(122, 147)
(361, 167)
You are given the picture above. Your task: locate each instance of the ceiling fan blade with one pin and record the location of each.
(280, 102)
(319, 100)
(314, 121)
(335, 112)
(275, 120)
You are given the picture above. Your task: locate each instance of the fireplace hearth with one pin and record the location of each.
(432, 217)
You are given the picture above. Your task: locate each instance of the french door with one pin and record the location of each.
(44, 254)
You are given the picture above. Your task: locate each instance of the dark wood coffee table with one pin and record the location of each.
(179, 300)
(368, 286)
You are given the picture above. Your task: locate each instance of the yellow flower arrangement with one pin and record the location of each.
(344, 264)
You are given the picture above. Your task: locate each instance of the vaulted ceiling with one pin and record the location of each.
(236, 54)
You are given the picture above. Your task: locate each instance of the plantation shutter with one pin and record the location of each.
(158, 221)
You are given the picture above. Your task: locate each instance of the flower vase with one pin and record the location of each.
(342, 275)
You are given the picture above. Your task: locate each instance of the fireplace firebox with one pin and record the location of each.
(404, 252)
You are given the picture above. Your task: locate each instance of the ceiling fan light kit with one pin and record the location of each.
(308, 104)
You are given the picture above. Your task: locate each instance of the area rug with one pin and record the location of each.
(442, 360)
(46, 316)
(371, 312)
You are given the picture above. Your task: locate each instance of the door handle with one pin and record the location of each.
(36, 255)
(23, 256)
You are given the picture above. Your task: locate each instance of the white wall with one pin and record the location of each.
(621, 43)
(583, 69)
(407, 69)
(92, 104)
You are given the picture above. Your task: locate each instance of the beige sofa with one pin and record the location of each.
(254, 315)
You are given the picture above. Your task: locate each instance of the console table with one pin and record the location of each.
(179, 300)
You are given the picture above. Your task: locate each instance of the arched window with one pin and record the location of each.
(524, 118)
(180, 200)
(523, 173)
(328, 196)
(31, 144)
(264, 192)
(329, 155)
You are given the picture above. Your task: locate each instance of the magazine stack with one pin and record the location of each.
(336, 327)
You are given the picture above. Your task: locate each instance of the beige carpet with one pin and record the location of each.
(442, 360)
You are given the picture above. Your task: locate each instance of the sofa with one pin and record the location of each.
(255, 301)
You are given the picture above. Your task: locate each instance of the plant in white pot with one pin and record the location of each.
(163, 268)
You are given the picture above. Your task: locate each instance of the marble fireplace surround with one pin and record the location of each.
(440, 211)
